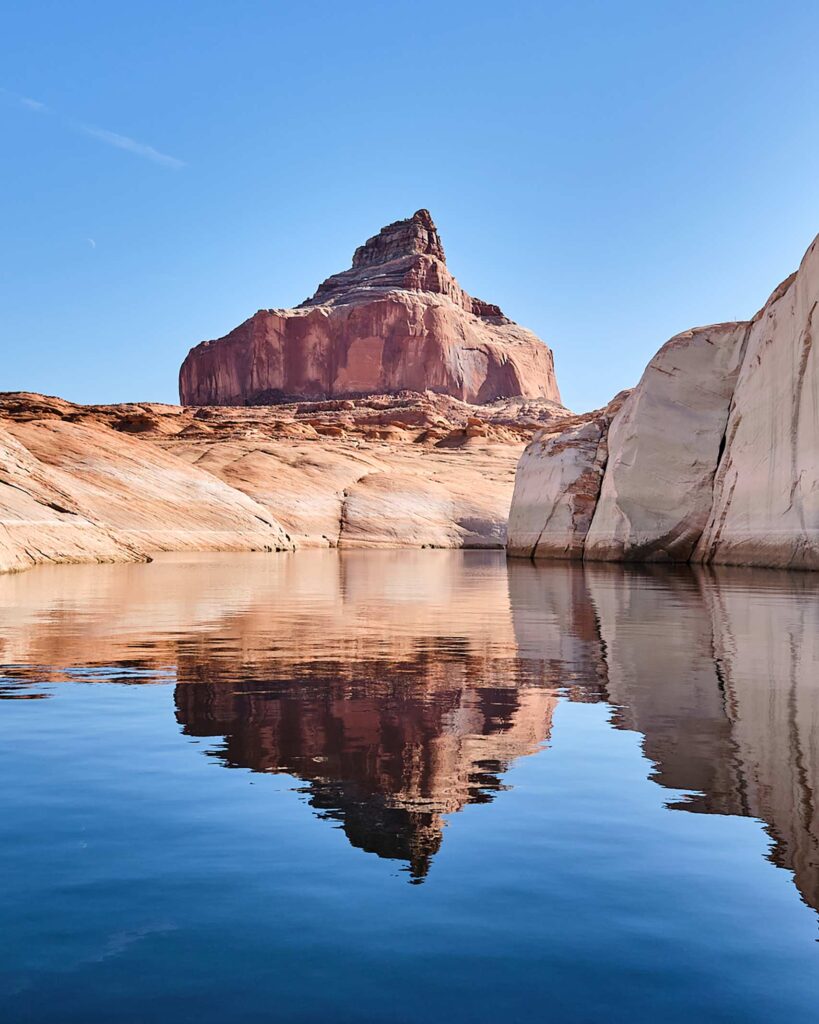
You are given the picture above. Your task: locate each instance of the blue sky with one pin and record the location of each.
(608, 173)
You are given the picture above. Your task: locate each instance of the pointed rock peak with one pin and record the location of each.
(415, 236)
(404, 256)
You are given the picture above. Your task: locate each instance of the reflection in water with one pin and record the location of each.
(717, 669)
(399, 686)
(385, 750)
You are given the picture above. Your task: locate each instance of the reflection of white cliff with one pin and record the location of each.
(717, 669)
(767, 643)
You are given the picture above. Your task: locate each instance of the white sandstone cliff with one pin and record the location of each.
(765, 507)
(714, 457)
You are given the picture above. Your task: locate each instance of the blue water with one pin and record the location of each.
(407, 787)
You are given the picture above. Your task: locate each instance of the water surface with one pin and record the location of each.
(407, 786)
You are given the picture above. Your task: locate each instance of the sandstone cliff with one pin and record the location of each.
(714, 457)
(397, 320)
(117, 483)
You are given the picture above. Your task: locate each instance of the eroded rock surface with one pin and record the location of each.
(663, 448)
(714, 457)
(557, 485)
(41, 520)
(766, 496)
(396, 320)
(114, 483)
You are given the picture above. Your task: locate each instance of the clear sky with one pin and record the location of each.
(609, 173)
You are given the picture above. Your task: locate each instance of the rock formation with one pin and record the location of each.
(714, 457)
(116, 483)
(397, 320)
(766, 492)
(73, 490)
(557, 485)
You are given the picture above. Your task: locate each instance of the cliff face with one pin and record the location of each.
(765, 508)
(396, 320)
(75, 487)
(714, 457)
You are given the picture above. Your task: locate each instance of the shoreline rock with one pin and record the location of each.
(118, 483)
(712, 458)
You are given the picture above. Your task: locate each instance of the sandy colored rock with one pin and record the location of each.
(664, 446)
(113, 483)
(82, 491)
(397, 320)
(386, 509)
(557, 484)
(766, 495)
(714, 458)
(40, 519)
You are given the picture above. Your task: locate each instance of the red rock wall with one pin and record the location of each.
(402, 341)
(396, 320)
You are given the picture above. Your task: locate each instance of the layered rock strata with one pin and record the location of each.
(396, 320)
(714, 457)
(117, 483)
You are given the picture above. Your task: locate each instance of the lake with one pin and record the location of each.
(408, 786)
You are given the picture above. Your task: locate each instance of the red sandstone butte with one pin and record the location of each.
(397, 320)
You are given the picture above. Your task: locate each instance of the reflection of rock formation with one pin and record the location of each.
(400, 685)
(420, 711)
(385, 749)
(661, 677)
(239, 615)
(766, 642)
(717, 669)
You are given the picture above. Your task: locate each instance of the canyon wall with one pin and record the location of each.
(713, 457)
(396, 320)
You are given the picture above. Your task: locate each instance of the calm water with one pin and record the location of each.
(397, 786)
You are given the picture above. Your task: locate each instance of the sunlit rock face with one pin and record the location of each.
(557, 486)
(396, 320)
(766, 494)
(663, 448)
(714, 457)
(72, 490)
(116, 483)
